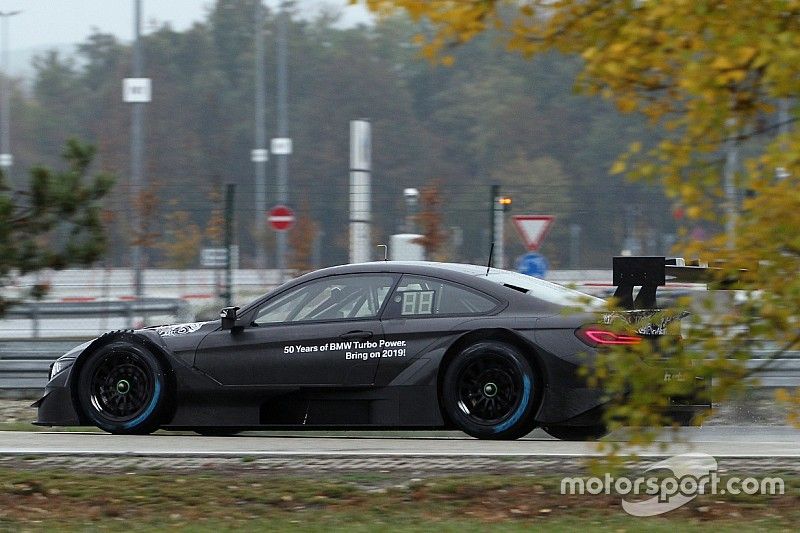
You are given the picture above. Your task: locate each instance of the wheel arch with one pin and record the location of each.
(127, 336)
(505, 335)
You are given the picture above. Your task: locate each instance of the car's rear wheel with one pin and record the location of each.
(488, 391)
(580, 433)
(122, 389)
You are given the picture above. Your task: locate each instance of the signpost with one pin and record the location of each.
(532, 264)
(533, 229)
(281, 218)
(230, 196)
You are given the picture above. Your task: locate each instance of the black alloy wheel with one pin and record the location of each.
(121, 389)
(490, 391)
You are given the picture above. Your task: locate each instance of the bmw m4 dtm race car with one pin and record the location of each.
(401, 345)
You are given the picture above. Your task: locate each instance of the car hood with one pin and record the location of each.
(175, 330)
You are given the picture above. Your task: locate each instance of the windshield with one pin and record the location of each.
(544, 290)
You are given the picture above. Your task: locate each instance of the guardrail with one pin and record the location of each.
(129, 310)
(783, 371)
(195, 284)
(24, 364)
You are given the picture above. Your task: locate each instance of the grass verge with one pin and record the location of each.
(214, 501)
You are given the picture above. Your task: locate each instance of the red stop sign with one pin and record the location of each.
(281, 218)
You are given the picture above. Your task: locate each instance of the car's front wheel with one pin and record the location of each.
(122, 389)
(488, 391)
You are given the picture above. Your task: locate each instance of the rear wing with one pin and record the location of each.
(651, 272)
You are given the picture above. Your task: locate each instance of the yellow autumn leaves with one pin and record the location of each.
(708, 74)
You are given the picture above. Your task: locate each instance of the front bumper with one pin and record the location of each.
(56, 406)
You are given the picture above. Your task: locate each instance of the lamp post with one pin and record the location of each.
(260, 154)
(729, 182)
(137, 91)
(6, 159)
(281, 147)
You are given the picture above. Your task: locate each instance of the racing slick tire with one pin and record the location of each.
(576, 433)
(122, 389)
(489, 391)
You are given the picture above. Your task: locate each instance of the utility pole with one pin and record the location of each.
(260, 154)
(783, 128)
(136, 90)
(411, 196)
(6, 158)
(494, 194)
(230, 213)
(497, 218)
(282, 146)
(729, 179)
(574, 245)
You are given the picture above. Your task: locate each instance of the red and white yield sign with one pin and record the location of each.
(281, 218)
(532, 229)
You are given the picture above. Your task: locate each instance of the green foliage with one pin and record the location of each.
(56, 222)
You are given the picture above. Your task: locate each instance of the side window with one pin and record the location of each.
(334, 298)
(418, 296)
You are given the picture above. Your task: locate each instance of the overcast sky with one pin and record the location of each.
(56, 23)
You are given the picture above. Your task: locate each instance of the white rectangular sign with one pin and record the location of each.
(259, 155)
(136, 90)
(216, 257)
(281, 146)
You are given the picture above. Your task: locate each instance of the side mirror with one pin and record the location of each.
(228, 316)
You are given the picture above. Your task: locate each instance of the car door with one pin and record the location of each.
(322, 333)
(423, 310)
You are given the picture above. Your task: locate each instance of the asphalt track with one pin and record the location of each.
(719, 441)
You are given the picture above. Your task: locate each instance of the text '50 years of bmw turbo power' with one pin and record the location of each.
(385, 345)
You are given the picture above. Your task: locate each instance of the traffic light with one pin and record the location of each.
(505, 203)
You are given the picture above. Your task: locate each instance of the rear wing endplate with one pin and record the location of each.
(649, 273)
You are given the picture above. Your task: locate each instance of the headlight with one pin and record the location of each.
(67, 360)
(59, 366)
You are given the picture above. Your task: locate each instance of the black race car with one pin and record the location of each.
(377, 345)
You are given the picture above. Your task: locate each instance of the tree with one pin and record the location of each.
(430, 222)
(56, 222)
(459, 124)
(182, 239)
(709, 75)
(302, 240)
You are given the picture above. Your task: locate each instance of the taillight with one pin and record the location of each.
(595, 336)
